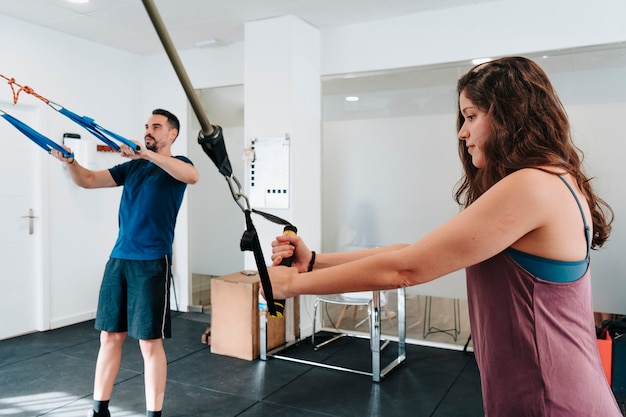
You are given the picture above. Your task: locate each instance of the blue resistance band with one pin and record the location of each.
(86, 122)
(44, 142)
(98, 131)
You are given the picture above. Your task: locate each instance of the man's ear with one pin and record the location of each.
(173, 134)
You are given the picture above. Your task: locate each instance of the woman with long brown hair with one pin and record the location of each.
(530, 218)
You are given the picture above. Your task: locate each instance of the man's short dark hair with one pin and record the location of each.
(171, 119)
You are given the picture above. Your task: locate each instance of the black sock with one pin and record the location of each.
(101, 406)
(153, 414)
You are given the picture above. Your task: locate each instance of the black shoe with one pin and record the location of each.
(92, 413)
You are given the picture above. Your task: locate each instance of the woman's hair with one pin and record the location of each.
(528, 128)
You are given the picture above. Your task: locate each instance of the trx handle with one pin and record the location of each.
(250, 242)
(287, 230)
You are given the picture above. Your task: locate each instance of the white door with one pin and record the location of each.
(20, 227)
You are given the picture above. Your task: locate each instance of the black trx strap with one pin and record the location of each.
(215, 149)
(212, 142)
(250, 242)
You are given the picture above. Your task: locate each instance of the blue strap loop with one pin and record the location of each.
(44, 142)
(86, 122)
(92, 127)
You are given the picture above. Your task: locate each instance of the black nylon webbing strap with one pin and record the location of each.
(250, 242)
(272, 218)
(212, 142)
(215, 149)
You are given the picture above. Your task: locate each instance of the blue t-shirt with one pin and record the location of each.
(148, 210)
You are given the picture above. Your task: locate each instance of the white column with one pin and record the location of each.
(282, 90)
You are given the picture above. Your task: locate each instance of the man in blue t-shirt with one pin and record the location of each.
(134, 295)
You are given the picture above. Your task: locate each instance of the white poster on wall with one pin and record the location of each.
(268, 173)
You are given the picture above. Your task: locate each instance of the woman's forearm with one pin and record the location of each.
(326, 260)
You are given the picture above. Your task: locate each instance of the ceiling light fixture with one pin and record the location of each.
(209, 43)
(352, 98)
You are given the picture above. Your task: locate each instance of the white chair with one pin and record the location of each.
(373, 300)
(374, 311)
(430, 329)
(350, 299)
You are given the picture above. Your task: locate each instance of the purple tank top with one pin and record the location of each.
(535, 344)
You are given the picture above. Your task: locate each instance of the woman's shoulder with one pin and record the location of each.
(539, 172)
(533, 179)
(534, 188)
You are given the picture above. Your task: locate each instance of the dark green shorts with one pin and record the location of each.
(135, 298)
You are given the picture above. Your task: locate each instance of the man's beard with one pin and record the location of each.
(152, 147)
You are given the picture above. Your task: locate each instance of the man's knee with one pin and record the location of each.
(151, 347)
(112, 339)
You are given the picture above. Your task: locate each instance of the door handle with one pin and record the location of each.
(31, 223)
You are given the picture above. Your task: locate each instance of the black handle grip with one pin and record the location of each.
(279, 305)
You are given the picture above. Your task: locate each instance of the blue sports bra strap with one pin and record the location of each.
(580, 207)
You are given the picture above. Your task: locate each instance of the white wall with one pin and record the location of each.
(283, 97)
(496, 28)
(161, 88)
(436, 37)
(81, 225)
(596, 104)
(390, 178)
(595, 101)
(119, 90)
(217, 222)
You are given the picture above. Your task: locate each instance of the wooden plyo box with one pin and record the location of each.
(235, 318)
